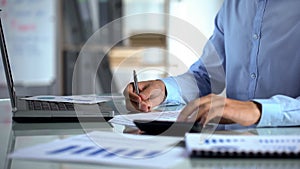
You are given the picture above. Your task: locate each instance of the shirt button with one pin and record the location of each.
(253, 75)
(255, 36)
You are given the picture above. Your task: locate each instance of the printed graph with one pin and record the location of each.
(106, 152)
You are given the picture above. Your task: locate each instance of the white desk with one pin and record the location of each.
(15, 136)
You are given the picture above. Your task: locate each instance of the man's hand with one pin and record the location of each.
(152, 93)
(219, 109)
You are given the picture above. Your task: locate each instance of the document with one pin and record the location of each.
(110, 149)
(128, 119)
(204, 145)
(79, 99)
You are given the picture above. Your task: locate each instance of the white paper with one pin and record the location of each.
(127, 119)
(79, 99)
(242, 144)
(109, 148)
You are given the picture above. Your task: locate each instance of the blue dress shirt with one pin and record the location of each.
(254, 53)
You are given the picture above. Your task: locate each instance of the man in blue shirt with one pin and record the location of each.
(254, 53)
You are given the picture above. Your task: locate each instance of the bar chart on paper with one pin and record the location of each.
(108, 148)
(107, 152)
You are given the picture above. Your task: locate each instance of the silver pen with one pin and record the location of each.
(135, 83)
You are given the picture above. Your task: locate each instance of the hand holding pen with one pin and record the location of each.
(143, 96)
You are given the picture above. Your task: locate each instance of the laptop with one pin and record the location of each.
(45, 111)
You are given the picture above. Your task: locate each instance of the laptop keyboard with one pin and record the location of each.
(42, 105)
(61, 106)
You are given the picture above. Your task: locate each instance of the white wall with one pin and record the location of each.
(199, 14)
(30, 32)
(134, 7)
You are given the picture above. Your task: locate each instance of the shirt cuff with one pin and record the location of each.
(270, 115)
(173, 91)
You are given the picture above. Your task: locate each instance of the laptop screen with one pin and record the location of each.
(7, 69)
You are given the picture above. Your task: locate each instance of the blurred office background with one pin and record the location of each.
(45, 38)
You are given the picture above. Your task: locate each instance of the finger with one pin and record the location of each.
(149, 91)
(152, 96)
(127, 90)
(217, 109)
(193, 116)
(157, 97)
(204, 107)
(145, 106)
(131, 106)
(203, 112)
(212, 118)
(131, 98)
(130, 94)
(202, 104)
(189, 109)
(214, 115)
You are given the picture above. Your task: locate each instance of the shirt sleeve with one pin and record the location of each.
(173, 92)
(205, 76)
(278, 111)
(181, 89)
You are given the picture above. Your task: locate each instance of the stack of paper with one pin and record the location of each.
(127, 119)
(204, 145)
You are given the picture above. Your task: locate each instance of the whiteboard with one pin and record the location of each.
(30, 33)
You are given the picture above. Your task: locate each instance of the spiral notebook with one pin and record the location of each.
(232, 146)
